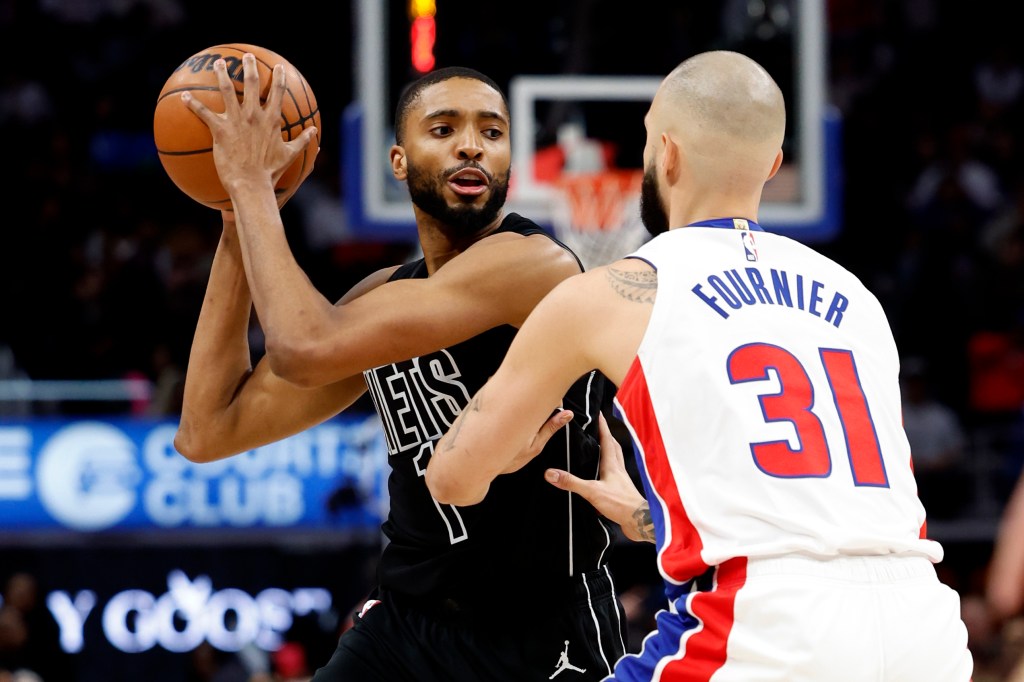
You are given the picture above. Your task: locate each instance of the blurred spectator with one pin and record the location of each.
(208, 664)
(1003, 231)
(997, 374)
(168, 384)
(957, 178)
(24, 102)
(29, 636)
(1000, 284)
(937, 444)
(320, 205)
(289, 663)
(9, 371)
(19, 676)
(997, 399)
(998, 80)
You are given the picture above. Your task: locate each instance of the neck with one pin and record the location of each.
(440, 243)
(697, 206)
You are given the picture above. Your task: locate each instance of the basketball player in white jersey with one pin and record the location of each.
(759, 382)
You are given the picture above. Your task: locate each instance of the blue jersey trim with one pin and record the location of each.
(644, 260)
(727, 223)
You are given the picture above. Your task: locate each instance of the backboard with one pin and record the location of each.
(589, 67)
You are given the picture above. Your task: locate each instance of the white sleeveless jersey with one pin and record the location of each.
(765, 407)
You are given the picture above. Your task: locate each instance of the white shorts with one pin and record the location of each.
(797, 619)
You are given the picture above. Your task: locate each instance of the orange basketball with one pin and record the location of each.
(184, 142)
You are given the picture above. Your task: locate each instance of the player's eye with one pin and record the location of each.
(441, 130)
(493, 133)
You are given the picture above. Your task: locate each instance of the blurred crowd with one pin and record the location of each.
(29, 637)
(104, 263)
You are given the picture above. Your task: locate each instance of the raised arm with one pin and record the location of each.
(496, 281)
(229, 406)
(311, 342)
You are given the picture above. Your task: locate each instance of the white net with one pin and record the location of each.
(597, 215)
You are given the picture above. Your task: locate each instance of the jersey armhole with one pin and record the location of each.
(571, 252)
(641, 258)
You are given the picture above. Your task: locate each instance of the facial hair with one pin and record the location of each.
(652, 211)
(464, 219)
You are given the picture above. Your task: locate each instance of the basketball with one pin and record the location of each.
(184, 143)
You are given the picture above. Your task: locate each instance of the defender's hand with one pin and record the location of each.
(552, 426)
(613, 493)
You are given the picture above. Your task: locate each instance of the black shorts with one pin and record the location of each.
(400, 639)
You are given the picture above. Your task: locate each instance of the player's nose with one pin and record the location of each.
(469, 146)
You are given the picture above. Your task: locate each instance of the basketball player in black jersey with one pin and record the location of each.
(515, 588)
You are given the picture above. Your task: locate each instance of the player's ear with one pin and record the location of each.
(671, 157)
(398, 167)
(775, 166)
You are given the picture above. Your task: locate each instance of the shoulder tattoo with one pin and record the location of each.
(638, 286)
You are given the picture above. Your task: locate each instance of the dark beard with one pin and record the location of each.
(652, 212)
(463, 220)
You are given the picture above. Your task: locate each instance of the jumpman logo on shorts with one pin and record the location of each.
(564, 664)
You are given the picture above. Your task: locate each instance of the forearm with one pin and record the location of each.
(219, 361)
(640, 526)
(290, 309)
(449, 476)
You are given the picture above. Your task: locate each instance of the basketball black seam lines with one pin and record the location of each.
(286, 128)
(301, 122)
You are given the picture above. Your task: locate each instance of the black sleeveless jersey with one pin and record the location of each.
(527, 537)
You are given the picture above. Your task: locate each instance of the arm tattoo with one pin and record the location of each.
(474, 406)
(637, 286)
(644, 523)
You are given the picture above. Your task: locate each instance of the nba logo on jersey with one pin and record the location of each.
(749, 247)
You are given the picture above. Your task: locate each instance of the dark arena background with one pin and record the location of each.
(120, 560)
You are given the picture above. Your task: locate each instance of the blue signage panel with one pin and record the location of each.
(123, 474)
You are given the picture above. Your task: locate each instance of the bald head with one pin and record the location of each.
(728, 94)
(714, 138)
(723, 108)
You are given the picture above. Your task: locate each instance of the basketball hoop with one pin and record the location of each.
(597, 215)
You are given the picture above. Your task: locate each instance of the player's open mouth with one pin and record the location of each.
(468, 182)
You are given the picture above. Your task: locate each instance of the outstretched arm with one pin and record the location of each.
(594, 320)
(555, 347)
(545, 358)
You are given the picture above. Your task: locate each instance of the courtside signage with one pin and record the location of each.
(89, 476)
(190, 612)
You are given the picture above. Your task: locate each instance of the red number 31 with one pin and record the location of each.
(793, 403)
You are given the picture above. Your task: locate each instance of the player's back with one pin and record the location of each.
(765, 404)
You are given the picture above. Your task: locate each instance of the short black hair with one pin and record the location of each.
(411, 92)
